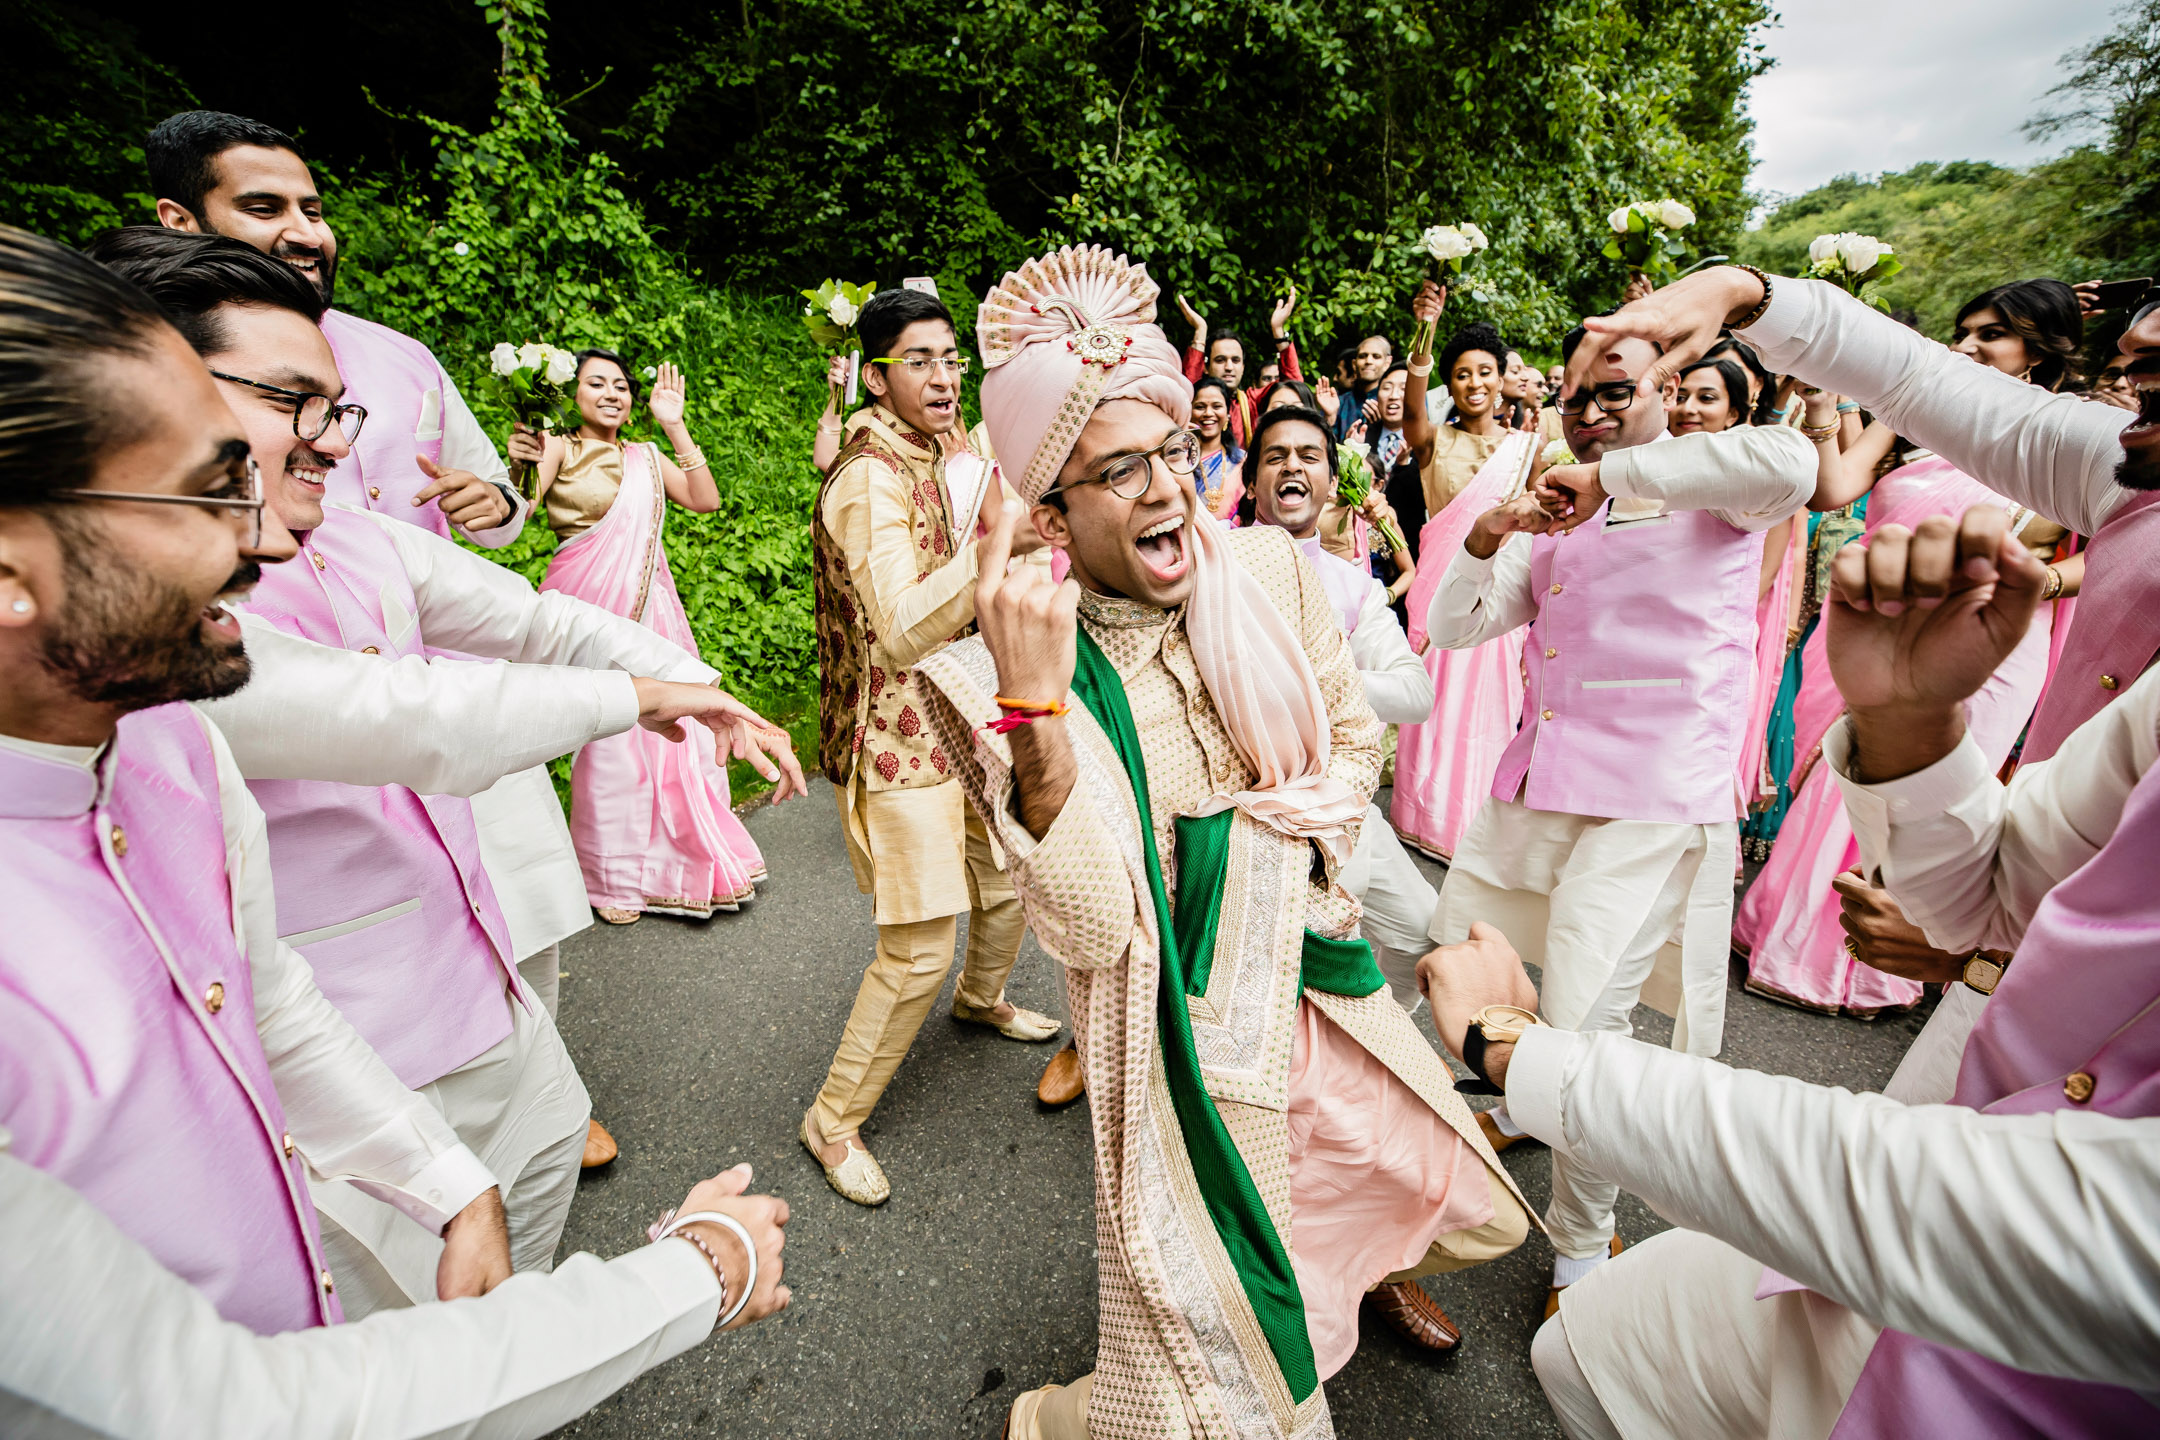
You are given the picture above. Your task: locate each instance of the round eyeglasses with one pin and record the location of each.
(313, 414)
(1129, 476)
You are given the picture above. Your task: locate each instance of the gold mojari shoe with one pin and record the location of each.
(1024, 1024)
(858, 1178)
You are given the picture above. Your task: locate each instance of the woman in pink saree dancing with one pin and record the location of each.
(1444, 767)
(650, 818)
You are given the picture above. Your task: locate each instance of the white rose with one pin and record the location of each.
(461, 248)
(1675, 215)
(1821, 250)
(843, 311)
(503, 358)
(532, 355)
(1557, 453)
(1475, 236)
(1860, 252)
(1618, 219)
(1445, 242)
(651, 373)
(561, 367)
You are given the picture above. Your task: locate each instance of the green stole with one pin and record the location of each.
(1343, 967)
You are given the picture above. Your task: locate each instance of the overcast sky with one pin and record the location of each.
(1872, 85)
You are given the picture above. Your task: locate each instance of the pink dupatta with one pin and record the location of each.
(1444, 766)
(1787, 924)
(649, 816)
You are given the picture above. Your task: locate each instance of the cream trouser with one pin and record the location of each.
(523, 1110)
(1668, 1339)
(1059, 1412)
(1617, 890)
(1398, 903)
(905, 976)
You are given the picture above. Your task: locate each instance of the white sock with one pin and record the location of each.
(1507, 1126)
(1566, 1271)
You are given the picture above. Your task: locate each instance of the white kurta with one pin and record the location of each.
(2031, 1239)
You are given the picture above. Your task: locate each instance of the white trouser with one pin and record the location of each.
(1398, 901)
(522, 1109)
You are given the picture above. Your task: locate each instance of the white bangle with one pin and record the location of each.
(749, 1248)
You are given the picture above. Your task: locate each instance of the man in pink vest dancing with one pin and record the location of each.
(411, 946)
(168, 1092)
(1615, 806)
(422, 458)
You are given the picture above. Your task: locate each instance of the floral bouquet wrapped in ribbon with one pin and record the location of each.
(1353, 487)
(1448, 245)
(1854, 263)
(1646, 234)
(830, 315)
(531, 381)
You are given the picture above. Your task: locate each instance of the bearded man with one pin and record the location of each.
(1174, 751)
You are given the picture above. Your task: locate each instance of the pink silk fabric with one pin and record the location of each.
(1787, 924)
(1772, 629)
(649, 815)
(1444, 767)
(1375, 1178)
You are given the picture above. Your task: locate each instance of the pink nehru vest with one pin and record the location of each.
(381, 889)
(130, 1068)
(1639, 663)
(1346, 584)
(2081, 999)
(399, 381)
(2115, 633)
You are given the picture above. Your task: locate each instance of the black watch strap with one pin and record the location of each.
(1473, 1054)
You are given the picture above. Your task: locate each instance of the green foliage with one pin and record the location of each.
(71, 157)
(1236, 147)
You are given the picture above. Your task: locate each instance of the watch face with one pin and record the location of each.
(1983, 975)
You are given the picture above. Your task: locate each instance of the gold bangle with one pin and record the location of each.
(2054, 585)
(695, 460)
(1757, 313)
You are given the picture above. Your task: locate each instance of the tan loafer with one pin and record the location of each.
(858, 1178)
(599, 1146)
(1024, 1024)
(1552, 1292)
(1063, 1081)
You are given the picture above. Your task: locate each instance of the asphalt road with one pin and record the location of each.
(703, 1043)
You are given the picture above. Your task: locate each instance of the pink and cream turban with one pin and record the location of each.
(1059, 336)
(1062, 335)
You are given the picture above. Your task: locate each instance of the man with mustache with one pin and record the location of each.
(1181, 718)
(1988, 1323)
(422, 458)
(171, 1076)
(1612, 823)
(412, 946)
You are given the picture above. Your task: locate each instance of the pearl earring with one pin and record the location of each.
(21, 607)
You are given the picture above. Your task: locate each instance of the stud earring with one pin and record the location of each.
(21, 607)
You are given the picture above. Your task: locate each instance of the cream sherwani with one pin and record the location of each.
(1181, 1352)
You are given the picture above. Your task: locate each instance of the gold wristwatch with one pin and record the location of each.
(1984, 972)
(1493, 1025)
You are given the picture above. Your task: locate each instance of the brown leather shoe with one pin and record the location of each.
(1552, 1292)
(1493, 1135)
(599, 1146)
(1415, 1315)
(1063, 1081)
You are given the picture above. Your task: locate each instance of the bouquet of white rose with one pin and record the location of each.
(530, 382)
(830, 315)
(1448, 245)
(1645, 233)
(1853, 263)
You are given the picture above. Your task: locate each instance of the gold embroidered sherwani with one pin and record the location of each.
(1180, 1353)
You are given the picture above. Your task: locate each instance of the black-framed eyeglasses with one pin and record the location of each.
(1129, 476)
(312, 414)
(239, 497)
(1612, 399)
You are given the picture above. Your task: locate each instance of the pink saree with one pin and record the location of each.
(1444, 766)
(1787, 926)
(649, 816)
(1773, 632)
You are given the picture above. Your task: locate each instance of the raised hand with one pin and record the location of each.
(1523, 515)
(1031, 626)
(1429, 302)
(1460, 980)
(1917, 621)
(1570, 494)
(526, 444)
(1279, 318)
(1682, 320)
(1324, 392)
(835, 381)
(1195, 319)
(766, 1218)
(739, 732)
(668, 395)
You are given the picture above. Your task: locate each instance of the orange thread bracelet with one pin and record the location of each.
(1022, 712)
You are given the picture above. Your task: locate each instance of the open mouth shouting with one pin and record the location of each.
(1162, 549)
(218, 619)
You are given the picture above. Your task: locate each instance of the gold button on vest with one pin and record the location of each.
(2107, 682)
(288, 1145)
(119, 842)
(214, 998)
(374, 492)
(369, 650)
(1556, 589)
(1551, 653)
(1548, 715)
(319, 565)
(329, 1286)
(2079, 1088)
